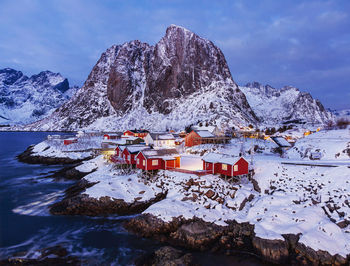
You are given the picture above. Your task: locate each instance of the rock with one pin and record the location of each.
(255, 185)
(165, 256)
(28, 157)
(250, 198)
(147, 225)
(81, 204)
(210, 194)
(197, 234)
(343, 224)
(55, 255)
(200, 235)
(275, 251)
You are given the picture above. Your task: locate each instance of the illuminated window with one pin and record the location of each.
(143, 162)
(154, 162)
(235, 168)
(138, 161)
(224, 166)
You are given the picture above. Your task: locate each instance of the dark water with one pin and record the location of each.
(26, 225)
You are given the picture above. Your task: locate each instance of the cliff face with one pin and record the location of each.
(179, 81)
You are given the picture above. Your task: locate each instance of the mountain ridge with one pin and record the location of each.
(27, 99)
(180, 80)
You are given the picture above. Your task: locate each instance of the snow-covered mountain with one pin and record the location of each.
(181, 80)
(275, 106)
(343, 113)
(27, 99)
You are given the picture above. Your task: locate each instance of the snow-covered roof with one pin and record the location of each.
(220, 158)
(161, 153)
(282, 142)
(162, 136)
(201, 128)
(136, 148)
(204, 134)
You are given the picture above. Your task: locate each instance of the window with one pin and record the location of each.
(224, 166)
(129, 157)
(235, 168)
(138, 161)
(208, 165)
(154, 162)
(143, 162)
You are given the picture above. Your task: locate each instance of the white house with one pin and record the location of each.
(160, 140)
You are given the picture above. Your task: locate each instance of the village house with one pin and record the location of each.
(70, 141)
(133, 140)
(160, 140)
(119, 150)
(141, 133)
(108, 136)
(197, 137)
(212, 129)
(129, 153)
(151, 159)
(225, 165)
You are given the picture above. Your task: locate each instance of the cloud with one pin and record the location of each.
(300, 43)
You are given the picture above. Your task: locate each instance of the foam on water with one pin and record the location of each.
(40, 206)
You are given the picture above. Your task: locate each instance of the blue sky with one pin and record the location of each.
(300, 43)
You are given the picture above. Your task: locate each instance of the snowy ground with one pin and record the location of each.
(118, 184)
(48, 148)
(313, 201)
(332, 144)
(235, 146)
(294, 199)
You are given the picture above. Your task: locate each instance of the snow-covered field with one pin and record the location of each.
(332, 144)
(118, 184)
(235, 146)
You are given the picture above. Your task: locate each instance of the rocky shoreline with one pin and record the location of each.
(55, 255)
(78, 203)
(195, 234)
(28, 157)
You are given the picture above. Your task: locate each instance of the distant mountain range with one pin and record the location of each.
(181, 80)
(343, 113)
(273, 106)
(28, 99)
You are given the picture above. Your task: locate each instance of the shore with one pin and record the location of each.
(209, 214)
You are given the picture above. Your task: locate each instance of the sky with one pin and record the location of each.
(305, 44)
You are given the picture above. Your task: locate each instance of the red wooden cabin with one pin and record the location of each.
(69, 141)
(129, 153)
(111, 136)
(135, 133)
(225, 164)
(119, 150)
(196, 137)
(157, 159)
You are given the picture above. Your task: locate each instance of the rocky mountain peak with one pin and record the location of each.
(181, 79)
(9, 76)
(275, 106)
